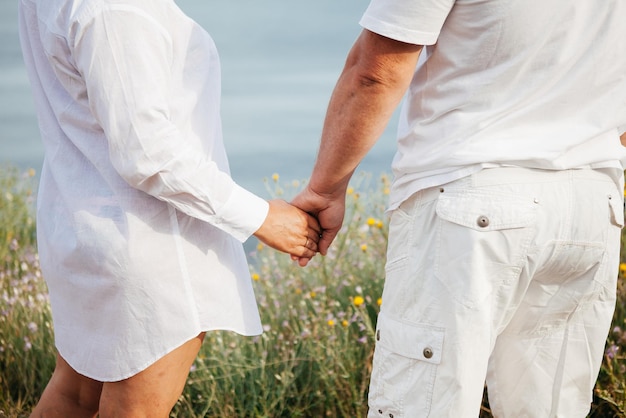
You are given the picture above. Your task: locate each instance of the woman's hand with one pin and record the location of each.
(290, 230)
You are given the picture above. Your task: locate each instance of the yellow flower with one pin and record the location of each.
(295, 184)
(358, 301)
(345, 323)
(298, 291)
(363, 247)
(260, 246)
(371, 221)
(379, 224)
(350, 190)
(255, 277)
(622, 268)
(275, 176)
(312, 294)
(331, 322)
(31, 172)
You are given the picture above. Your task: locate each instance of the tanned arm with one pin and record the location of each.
(377, 73)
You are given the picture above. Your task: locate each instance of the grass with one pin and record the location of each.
(314, 358)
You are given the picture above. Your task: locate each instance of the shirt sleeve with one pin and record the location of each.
(125, 58)
(415, 22)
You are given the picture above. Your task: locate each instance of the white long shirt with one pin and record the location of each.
(139, 222)
(530, 83)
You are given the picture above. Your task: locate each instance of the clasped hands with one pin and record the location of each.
(303, 227)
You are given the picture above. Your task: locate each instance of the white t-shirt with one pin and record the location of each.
(507, 82)
(139, 223)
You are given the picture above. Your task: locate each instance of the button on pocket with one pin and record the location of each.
(482, 221)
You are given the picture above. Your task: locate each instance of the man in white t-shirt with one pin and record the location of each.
(507, 202)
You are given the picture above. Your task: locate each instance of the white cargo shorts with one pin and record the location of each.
(507, 276)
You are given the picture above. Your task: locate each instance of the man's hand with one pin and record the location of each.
(329, 211)
(290, 230)
(623, 139)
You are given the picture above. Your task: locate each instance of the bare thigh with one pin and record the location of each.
(154, 391)
(68, 393)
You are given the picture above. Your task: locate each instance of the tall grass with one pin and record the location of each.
(314, 358)
(26, 341)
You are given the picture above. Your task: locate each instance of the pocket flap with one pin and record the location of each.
(485, 211)
(420, 342)
(617, 211)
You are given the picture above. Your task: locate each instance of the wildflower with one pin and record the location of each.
(364, 247)
(379, 301)
(312, 294)
(298, 291)
(331, 322)
(27, 344)
(622, 268)
(371, 221)
(255, 277)
(345, 323)
(31, 172)
(611, 351)
(379, 224)
(363, 339)
(295, 184)
(275, 177)
(350, 190)
(358, 300)
(260, 246)
(32, 327)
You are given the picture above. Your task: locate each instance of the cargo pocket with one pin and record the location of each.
(405, 366)
(483, 239)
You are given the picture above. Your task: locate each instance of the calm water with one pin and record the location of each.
(280, 60)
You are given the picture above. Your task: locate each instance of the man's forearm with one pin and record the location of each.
(377, 73)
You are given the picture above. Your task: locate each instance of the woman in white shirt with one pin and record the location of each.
(139, 222)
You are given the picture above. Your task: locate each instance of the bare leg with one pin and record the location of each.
(68, 394)
(153, 392)
(150, 393)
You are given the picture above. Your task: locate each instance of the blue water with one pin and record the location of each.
(280, 60)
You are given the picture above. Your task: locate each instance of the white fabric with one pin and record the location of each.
(138, 220)
(507, 82)
(505, 276)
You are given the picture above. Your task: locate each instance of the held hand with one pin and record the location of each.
(329, 211)
(290, 230)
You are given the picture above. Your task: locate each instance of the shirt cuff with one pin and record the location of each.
(243, 213)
